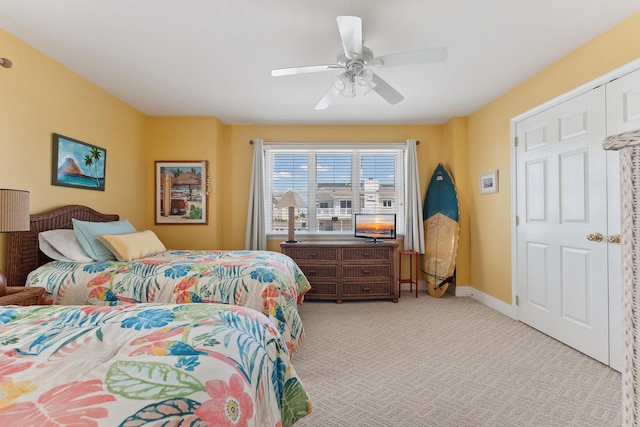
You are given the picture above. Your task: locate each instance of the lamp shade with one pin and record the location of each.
(291, 198)
(14, 210)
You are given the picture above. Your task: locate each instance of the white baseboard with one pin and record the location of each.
(488, 300)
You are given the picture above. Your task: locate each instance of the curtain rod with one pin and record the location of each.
(251, 142)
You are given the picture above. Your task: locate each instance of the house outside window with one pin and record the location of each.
(335, 181)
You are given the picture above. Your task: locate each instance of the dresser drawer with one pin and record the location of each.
(319, 271)
(322, 289)
(313, 253)
(365, 254)
(361, 289)
(360, 271)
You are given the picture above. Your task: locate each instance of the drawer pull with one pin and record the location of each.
(366, 271)
(313, 255)
(312, 272)
(366, 289)
(366, 254)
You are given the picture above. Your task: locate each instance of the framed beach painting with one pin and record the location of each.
(77, 164)
(181, 189)
(489, 182)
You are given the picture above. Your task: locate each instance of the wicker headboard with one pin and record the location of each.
(24, 255)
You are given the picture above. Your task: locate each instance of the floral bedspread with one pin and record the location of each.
(145, 364)
(267, 281)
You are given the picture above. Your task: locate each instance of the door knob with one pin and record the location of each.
(614, 238)
(595, 237)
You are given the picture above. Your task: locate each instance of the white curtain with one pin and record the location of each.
(414, 234)
(256, 237)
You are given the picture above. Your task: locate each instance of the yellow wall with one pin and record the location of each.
(490, 147)
(186, 139)
(455, 156)
(40, 97)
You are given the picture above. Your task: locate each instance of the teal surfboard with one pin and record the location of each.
(441, 213)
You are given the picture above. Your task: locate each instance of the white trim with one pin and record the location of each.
(464, 291)
(514, 211)
(485, 299)
(488, 300)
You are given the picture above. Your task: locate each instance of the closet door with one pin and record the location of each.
(623, 115)
(561, 204)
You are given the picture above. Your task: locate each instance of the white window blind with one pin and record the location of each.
(335, 181)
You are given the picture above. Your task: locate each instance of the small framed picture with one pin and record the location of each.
(77, 164)
(489, 182)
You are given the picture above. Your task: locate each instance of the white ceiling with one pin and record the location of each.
(214, 57)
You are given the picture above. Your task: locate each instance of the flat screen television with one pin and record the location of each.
(375, 226)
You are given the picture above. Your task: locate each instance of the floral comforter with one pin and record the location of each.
(145, 364)
(269, 282)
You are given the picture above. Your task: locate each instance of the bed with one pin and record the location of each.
(145, 364)
(269, 282)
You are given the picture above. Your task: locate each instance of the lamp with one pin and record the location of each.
(291, 200)
(14, 216)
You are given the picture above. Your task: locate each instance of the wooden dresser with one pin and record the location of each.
(347, 270)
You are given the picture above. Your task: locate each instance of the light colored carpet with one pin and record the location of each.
(450, 361)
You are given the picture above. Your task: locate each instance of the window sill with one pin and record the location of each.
(303, 237)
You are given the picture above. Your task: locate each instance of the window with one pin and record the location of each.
(335, 181)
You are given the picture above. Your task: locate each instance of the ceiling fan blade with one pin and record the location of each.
(385, 90)
(303, 70)
(415, 57)
(351, 34)
(328, 97)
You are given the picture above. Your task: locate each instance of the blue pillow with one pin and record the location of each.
(86, 232)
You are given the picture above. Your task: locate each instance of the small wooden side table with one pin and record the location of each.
(20, 295)
(413, 258)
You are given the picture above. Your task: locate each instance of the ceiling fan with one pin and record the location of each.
(357, 62)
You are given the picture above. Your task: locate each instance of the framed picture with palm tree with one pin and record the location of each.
(181, 192)
(78, 164)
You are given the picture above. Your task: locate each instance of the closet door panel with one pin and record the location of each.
(623, 104)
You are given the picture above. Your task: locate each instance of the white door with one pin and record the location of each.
(623, 115)
(561, 204)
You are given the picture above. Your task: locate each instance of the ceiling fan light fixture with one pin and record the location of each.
(365, 77)
(349, 91)
(340, 82)
(344, 83)
(369, 88)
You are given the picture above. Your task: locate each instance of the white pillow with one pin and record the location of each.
(62, 245)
